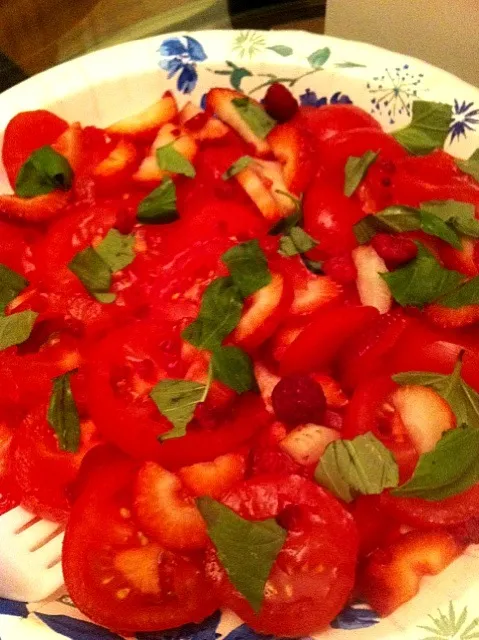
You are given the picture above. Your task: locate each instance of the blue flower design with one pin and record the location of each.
(354, 617)
(205, 630)
(77, 629)
(243, 632)
(13, 608)
(182, 54)
(310, 99)
(465, 116)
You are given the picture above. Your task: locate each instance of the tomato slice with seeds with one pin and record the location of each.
(120, 579)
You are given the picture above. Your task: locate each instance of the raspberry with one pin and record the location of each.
(298, 400)
(280, 103)
(341, 268)
(394, 250)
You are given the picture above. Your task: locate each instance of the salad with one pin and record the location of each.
(240, 356)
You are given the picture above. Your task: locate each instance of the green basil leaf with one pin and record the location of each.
(318, 58)
(360, 466)
(449, 469)
(44, 171)
(219, 314)
(434, 226)
(248, 267)
(237, 167)
(11, 285)
(468, 293)
(16, 328)
(296, 242)
(246, 549)
(315, 266)
(177, 400)
(159, 207)
(355, 170)
(254, 116)
(393, 219)
(422, 280)
(116, 249)
(63, 415)
(233, 367)
(459, 215)
(428, 128)
(92, 271)
(169, 159)
(286, 224)
(463, 399)
(470, 166)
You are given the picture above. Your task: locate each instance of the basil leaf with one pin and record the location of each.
(470, 166)
(11, 285)
(219, 314)
(359, 466)
(237, 167)
(246, 549)
(63, 415)
(468, 293)
(434, 226)
(459, 215)
(169, 159)
(296, 242)
(159, 207)
(286, 224)
(93, 272)
(234, 368)
(428, 128)
(355, 170)
(451, 468)
(315, 266)
(248, 267)
(44, 171)
(16, 328)
(394, 219)
(422, 280)
(463, 399)
(116, 249)
(254, 116)
(177, 400)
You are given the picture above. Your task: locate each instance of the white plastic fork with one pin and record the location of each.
(30, 554)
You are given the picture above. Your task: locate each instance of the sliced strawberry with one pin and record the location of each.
(267, 308)
(166, 511)
(373, 290)
(310, 290)
(392, 574)
(219, 395)
(448, 318)
(341, 268)
(267, 380)
(201, 125)
(335, 396)
(70, 145)
(291, 147)
(220, 102)
(145, 124)
(307, 443)
(116, 168)
(263, 182)
(214, 478)
(424, 415)
(139, 567)
(462, 260)
(394, 250)
(285, 335)
(37, 209)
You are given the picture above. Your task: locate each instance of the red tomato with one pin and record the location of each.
(331, 120)
(314, 572)
(42, 471)
(373, 527)
(320, 342)
(125, 367)
(328, 217)
(116, 579)
(25, 133)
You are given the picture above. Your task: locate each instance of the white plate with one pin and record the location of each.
(104, 86)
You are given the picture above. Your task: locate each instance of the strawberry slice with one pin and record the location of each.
(70, 145)
(267, 380)
(213, 478)
(139, 567)
(448, 318)
(463, 260)
(286, 334)
(219, 395)
(37, 209)
(307, 443)
(166, 511)
(424, 415)
(373, 290)
(116, 168)
(335, 396)
(145, 124)
(292, 149)
(267, 308)
(393, 574)
(200, 125)
(219, 101)
(310, 291)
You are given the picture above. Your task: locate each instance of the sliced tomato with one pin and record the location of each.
(43, 472)
(26, 132)
(313, 574)
(120, 579)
